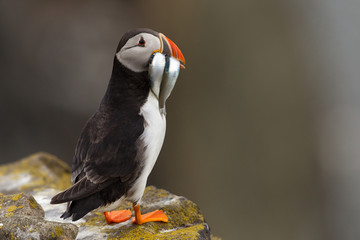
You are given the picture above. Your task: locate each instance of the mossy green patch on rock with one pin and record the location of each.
(212, 237)
(33, 203)
(183, 233)
(38, 171)
(59, 231)
(95, 219)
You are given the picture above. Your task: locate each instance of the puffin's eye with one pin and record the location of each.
(141, 42)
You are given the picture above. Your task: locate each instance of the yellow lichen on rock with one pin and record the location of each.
(11, 208)
(96, 220)
(9, 214)
(48, 170)
(42, 170)
(16, 197)
(59, 231)
(139, 232)
(33, 203)
(185, 220)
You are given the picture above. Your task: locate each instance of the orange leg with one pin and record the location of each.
(155, 216)
(117, 216)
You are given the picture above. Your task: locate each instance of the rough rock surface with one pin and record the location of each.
(38, 171)
(21, 217)
(43, 175)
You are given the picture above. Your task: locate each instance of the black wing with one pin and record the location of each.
(106, 152)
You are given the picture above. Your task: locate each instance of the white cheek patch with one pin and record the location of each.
(131, 60)
(136, 58)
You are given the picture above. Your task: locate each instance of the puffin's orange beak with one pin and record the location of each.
(169, 47)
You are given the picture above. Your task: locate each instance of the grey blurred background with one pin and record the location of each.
(263, 125)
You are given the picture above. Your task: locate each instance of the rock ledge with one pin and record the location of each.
(27, 214)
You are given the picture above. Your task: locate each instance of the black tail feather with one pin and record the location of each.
(80, 201)
(79, 208)
(81, 189)
(65, 215)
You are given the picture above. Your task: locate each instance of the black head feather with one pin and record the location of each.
(129, 34)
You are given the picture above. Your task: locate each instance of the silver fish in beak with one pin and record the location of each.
(156, 72)
(171, 73)
(163, 73)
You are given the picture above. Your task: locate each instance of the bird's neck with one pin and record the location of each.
(126, 87)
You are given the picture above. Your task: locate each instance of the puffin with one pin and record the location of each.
(120, 143)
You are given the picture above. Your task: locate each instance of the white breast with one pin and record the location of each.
(152, 138)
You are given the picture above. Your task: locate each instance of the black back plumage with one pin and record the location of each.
(109, 138)
(107, 156)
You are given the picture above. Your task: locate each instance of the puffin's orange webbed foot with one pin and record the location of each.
(155, 216)
(117, 216)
